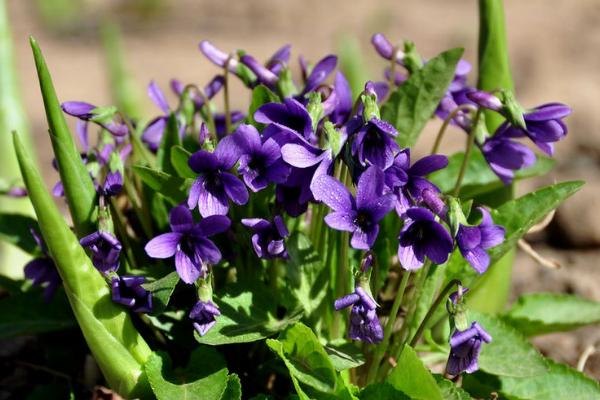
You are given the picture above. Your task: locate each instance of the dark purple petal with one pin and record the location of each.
(263, 74)
(320, 72)
(234, 188)
(342, 221)
(548, 111)
(370, 186)
(163, 246)
(333, 193)
(181, 219)
(203, 161)
(428, 164)
(227, 153)
(213, 225)
(207, 251)
(344, 99)
(247, 138)
(187, 270)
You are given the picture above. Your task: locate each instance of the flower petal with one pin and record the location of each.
(163, 246)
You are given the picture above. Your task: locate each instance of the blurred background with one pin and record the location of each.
(553, 49)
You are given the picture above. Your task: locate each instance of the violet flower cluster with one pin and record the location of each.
(312, 148)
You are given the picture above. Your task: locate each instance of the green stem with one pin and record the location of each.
(468, 151)
(443, 294)
(226, 96)
(381, 348)
(449, 118)
(121, 224)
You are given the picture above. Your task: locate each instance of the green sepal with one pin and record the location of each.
(116, 345)
(456, 217)
(512, 110)
(79, 188)
(370, 107)
(315, 109)
(285, 84)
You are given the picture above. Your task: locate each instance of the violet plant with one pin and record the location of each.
(304, 226)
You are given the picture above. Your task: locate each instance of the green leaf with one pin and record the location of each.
(307, 273)
(561, 382)
(179, 159)
(26, 313)
(306, 360)
(204, 378)
(260, 95)
(233, 391)
(519, 215)
(247, 315)
(76, 180)
(162, 289)
(378, 391)
(479, 178)
(173, 188)
(540, 313)
(412, 104)
(411, 377)
(449, 390)
(115, 343)
(509, 353)
(344, 355)
(170, 138)
(15, 229)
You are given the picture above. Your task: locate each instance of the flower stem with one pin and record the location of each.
(226, 96)
(449, 118)
(469, 149)
(443, 294)
(381, 348)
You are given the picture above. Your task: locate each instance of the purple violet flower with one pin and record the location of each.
(385, 48)
(42, 270)
(220, 124)
(465, 347)
(85, 112)
(105, 249)
(113, 184)
(364, 324)
(361, 217)
(215, 186)
(279, 59)
(260, 160)
(204, 316)
(289, 197)
(504, 156)
(218, 57)
(422, 236)
(308, 162)
(268, 238)
(189, 243)
(544, 126)
(128, 290)
(374, 144)
(263, 74)
(343, 95)
(409, 182)
(473, 241)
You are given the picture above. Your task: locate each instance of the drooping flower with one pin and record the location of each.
(361, 217)
(422, 236)
(204, 316)
(209, 91)
(543, 125)
(105, 249)
(42, 271)
(473, 241)
(154, 131)
(364, 324)
(385, 48)
(86, 112)
(113, 184)
(221, 124)
(189, 243)
(219, 57)
(505, 156)
(268, 237)
(260, 161)
(263, 74)
(374, 144)
(128, 290)
(409, 182)
(215, 185)
(319, 73)
(465, 347)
